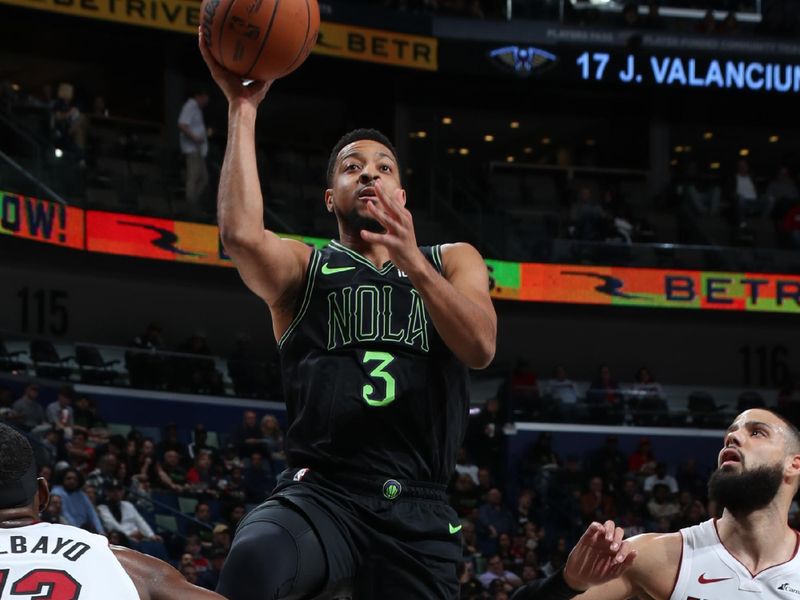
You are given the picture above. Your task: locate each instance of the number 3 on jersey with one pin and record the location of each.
(367, 392)
(42, 584)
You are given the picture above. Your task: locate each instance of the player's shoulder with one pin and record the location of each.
(656, 549)
(459, 254)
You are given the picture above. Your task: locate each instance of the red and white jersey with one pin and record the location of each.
(59, 562)
(709, 572)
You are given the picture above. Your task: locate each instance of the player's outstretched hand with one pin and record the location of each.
(601, 555)
(231, 84)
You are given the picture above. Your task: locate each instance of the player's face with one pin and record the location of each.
(756, 438)
(358, 166)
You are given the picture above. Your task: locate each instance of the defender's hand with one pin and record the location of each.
(599, 556)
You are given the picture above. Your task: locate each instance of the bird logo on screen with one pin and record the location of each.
(522, 60)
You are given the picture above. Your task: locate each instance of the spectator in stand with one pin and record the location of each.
(169, 441)
(493, 519)
(234, 487)
(53, 445)
(86, 417)
(648, 399)
(199, 443)
(631, 500)
(471, 587)
(147, 369)
(485, 483)
(661, 506)
(694, 514)
(596, 503)
(221, 537)
(59, 414)
(104, 476)
(587, 216)
(200, 478)
(691, 480)
(258, 478)
(748, 201)
(203, 526)
(235, 515)
(642, 456)
(464, 466)
(117, 514)
(564, 393)
(146, 464)
(605, 398)
(488, 431)
(7, 412)
(523, 391)
(80, 455)
(247, 436)
(197, 374)
(609, 460)
(77, 509)
(469, 538)
(661, 477)
(273, 437)
(194, 144)
(464, 497)
(210, 577)
(54, 513)
(69, 124)
(783, 194)
(195, 551)
(496, 571)
(32, 413)
(171, 473)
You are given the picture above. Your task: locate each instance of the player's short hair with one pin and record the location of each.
(16, 464)
(355, 136)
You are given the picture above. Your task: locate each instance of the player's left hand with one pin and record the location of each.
(399, 237)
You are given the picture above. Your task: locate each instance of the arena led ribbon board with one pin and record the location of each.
(198, 243)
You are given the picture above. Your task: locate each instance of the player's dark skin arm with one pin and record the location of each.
(458, 303)
(273, 268)
(156, 580)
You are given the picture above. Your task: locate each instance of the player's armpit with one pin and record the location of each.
(156, 580)
(270, 266)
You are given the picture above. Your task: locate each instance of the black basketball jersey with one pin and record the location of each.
(371, 389)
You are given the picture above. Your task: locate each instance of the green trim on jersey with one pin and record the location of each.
(357, 257)
(436, 253)
(312, 276)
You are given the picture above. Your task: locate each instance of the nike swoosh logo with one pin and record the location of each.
(326, 270)
(454, 529)
(702, 579)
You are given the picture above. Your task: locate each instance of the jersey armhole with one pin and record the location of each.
(307, 293)
(680, 568)
(436, 254)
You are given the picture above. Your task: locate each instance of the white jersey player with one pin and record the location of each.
(750, 553)
(61, 562)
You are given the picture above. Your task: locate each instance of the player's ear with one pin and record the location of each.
(329, 200)
(42, 497)
(793, 465)
(401, 196)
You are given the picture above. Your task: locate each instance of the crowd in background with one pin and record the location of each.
(518, 520)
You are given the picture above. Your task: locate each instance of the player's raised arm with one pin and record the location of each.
(271, 267)
(156, 580)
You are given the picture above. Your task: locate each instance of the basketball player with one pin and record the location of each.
(62, 562)
(749, 553)
(375, 336)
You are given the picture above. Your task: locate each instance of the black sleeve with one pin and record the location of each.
(549, 588)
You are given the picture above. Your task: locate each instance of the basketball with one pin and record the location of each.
(260, 39)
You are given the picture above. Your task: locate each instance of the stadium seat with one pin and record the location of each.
(47, 361)
(93, 368)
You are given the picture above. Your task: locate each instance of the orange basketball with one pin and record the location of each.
(260, 39)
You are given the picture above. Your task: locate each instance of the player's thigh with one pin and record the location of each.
(401, 579)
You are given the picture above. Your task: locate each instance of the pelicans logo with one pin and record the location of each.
(522, 60)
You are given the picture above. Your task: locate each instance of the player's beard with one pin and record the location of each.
(745, 492)
(354, 221)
